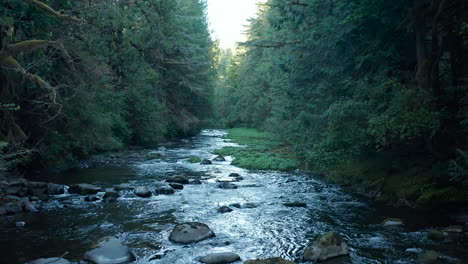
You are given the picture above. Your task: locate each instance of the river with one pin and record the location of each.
(262, 226)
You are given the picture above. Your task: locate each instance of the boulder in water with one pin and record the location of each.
(123, 187)
(220, 258)
(110, 251)
(16, 188)
(178, 179)
(196, 182)
(437, 235)
(269, 261)
(110, 195)
(325, 247)
(234, 175)
(206, 162)
(227, 185)
(91, 198)
(84, 188)
(428, 257)
(219, 158)
(176, 186)
(454, 229)
(143, 192)
(165, 190)
(224, 209)
(50, 261)
(295, 204)
(392, 222)
(55, 189)
(190, 232)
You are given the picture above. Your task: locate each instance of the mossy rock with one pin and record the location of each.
(194, 159)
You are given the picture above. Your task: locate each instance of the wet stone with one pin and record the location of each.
(428, 257)
(143, 192)
(123, 187)
(392, 222)
(110, 251)
(196, 182)
(325, 247)
(110, 195)
(165, 190)
(224, 209)
(220, 258)
(437, 235)
(190, 232)
(91, 198)
(206, 162)
(295, 204)
(227, 185)
(49, 261)
(178, 179)
(269, 261)
(55, 189)
(234, 175)
(219, 158)
(176, 186)
(84, 188)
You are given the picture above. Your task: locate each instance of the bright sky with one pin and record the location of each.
(228, 19)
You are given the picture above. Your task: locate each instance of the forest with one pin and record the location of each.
(371, 93)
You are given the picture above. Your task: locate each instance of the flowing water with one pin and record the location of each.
(262, 227)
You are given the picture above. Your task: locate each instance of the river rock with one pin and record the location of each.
(224, 209)
(325, 247)
(91, 198)
(165, 190)
(84, 188)
(295, 204)
(392, 222)
(55, 189)
(437, 235)
(3, 211)
(234, 175)
(29, 207)
(428, 257)
(269, 261)
(220, 258)
(219, 158)
(196, 182)
(227, 185)
(110, 195)
(190, 232)
(50, 261)
(110, 251)
(206, 162)
(13, 207)
(178, 179)
(16, 188)
(123, 187)
(454, 229)
(176, 186)
(143, 192)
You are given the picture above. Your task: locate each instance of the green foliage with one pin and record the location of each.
(258, 151)
(194, 159)
(141, 72)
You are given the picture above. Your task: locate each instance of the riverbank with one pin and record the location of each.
(412, 188)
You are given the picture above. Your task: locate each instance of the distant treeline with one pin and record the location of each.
(79, 77)
(358, 87)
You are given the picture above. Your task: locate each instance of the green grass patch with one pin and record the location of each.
(194, 159)
(258, 151)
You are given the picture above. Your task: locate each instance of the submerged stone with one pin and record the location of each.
(224, 209)
(428, 257)
(176, 186)
(295, 204)
(269, 261)
(190, 232)
(178, 179)
(110, 251)
(220, 258)
(165, 190)
(49, 260)
(84, 188)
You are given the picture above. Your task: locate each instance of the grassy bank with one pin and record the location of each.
(258, 151)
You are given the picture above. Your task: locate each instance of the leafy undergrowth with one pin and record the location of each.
(259, 151)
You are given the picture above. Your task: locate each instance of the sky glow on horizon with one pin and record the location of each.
(228, 19)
